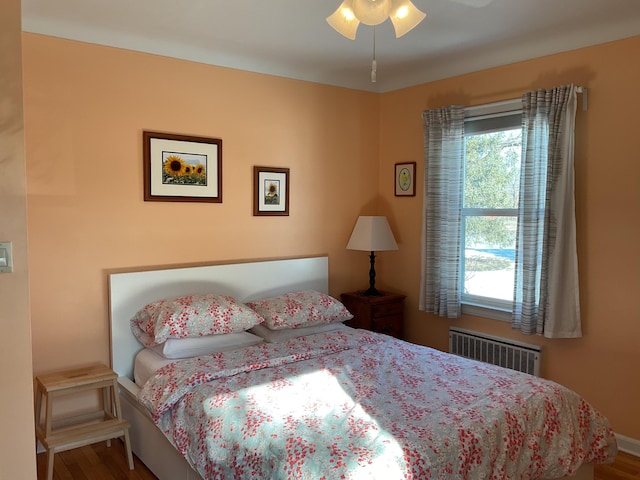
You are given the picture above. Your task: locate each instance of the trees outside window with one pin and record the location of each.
(489, 215)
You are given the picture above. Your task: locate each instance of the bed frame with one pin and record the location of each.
(128, 292)
(246, 281)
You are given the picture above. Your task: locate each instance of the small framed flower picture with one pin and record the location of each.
(405, 185)
(270, 191)
(182, 168)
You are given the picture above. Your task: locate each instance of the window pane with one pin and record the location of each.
(489, 256)
(492, 169)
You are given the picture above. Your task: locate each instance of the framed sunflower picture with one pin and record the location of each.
(182, 168)
(405, 185)
(270, 191)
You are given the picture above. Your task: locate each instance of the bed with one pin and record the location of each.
(374, 417)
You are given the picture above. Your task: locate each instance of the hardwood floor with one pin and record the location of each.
(626, 467)
(94, 462)
(97, 462)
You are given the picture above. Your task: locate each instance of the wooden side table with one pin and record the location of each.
(383, 314)
(85, 429)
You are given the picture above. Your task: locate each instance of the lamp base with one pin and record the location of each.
(371, 292)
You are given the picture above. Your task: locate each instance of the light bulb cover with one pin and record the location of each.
(405, 16)
(372, 12)
(344, 21)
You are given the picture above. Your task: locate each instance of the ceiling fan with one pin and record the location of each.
(403, 14)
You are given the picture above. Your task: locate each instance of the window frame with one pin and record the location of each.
(485, 119)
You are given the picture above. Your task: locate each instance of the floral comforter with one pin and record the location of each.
(354, 404)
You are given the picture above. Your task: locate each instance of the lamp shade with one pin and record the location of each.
(372, 234)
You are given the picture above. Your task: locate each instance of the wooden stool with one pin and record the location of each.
(79, 430)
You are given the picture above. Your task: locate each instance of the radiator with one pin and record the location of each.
(504, 352)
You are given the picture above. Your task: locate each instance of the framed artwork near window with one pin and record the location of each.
(182, 168)
(270, 191)
(404, 181)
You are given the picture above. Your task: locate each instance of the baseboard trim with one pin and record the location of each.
(628, 445)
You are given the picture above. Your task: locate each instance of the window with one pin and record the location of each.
(489, 212)
(478, 220)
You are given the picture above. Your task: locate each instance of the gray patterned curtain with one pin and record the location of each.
(546, 296)
(444, 163)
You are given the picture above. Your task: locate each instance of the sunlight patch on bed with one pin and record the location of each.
(322, 405)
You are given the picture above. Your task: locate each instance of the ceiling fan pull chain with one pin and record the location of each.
(374, 64)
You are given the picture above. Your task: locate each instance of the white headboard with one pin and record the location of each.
(129, 292)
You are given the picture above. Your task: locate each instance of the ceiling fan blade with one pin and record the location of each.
(473, 3)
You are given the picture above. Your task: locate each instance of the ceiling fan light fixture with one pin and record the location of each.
(405, 16)
(344, 20)
(372, 12)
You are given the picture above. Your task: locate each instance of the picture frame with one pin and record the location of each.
(404, 179)
(270, 191)
(182, 168)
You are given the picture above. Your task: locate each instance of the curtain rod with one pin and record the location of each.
(514, 101)
(583, 91)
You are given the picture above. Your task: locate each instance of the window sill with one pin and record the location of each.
(483, 311)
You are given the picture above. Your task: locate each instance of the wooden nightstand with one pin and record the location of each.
(82, 429)
(381, 314)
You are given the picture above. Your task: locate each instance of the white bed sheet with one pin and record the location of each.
(146, 363)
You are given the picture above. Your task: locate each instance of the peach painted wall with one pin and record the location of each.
(602, 365)
(85, 109)
(17, 456)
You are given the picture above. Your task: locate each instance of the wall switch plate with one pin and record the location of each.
(6, 259)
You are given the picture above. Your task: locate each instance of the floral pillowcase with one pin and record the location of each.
(191, 316)
(300, 309)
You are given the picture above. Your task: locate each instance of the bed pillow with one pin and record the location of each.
(197, 346)
(191, 316)
(300, 309)
(277, 336)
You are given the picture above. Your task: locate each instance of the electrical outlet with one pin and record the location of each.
(6, 259)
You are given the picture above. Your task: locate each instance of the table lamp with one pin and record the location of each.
(371, 234)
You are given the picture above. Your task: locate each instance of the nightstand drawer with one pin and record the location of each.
(386, 309)
(388, 325)
(382, 313)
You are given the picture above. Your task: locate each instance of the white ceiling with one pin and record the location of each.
(290, 38)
